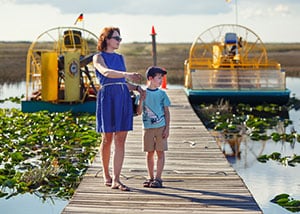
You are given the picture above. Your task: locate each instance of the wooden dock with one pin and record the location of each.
(197, 176)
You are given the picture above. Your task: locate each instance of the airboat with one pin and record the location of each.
(59, 72)
(230, 62)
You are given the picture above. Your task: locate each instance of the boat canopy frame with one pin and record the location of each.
(59, 40)
(231, 52)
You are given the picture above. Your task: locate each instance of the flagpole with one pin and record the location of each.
(236, 13)
(236, 22)
(83, 27)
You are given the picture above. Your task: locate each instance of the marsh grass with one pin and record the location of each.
(13, 61)
(139, 56)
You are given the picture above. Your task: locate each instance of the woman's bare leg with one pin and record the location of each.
(119, 153)
(105, 149)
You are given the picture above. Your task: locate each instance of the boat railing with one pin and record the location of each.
(237, 79)
(201, 63)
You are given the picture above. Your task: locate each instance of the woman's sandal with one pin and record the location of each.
(157, 183)
(148, 182)
(121, 187)
(108, 183)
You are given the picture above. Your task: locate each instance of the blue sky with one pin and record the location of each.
(174, 20)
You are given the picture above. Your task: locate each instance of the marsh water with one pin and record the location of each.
(264, 180)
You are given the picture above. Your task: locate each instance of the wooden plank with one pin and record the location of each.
(197, 176)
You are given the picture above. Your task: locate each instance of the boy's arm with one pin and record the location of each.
(139, 109)
(167, 118)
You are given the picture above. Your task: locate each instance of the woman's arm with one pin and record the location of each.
(100, 65)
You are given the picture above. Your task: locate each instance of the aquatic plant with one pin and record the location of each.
(286, 201)
(254, 121)
(276, 156)
(44, 153)
(13, 99)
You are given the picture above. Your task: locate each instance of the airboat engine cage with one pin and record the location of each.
(230, 60)
(53, 47)
(59, 71)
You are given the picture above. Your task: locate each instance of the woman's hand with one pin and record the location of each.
(134, 77)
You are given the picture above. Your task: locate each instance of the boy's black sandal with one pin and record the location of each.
(157, 183)
(148, 182)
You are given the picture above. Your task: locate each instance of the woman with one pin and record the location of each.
(114, 116)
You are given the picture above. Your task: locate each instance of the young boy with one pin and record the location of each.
(156, 121)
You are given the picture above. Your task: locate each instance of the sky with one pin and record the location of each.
(174, 20)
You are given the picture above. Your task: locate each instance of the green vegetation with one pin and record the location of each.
(13, 99)
(286, 201)
(255, 122)
(44, 153)
(276, 156)
(282, 47)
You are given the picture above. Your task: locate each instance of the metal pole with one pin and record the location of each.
(153, 34)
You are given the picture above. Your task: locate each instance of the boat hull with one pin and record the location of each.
(249, 97)
(35, 106)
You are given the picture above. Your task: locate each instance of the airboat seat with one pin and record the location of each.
(230, 38)
(72, 39)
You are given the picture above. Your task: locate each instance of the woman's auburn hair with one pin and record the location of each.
(106, 33)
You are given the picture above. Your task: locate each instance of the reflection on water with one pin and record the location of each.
(264, 180)
(31, 204)
(12, 90)
(27, 203)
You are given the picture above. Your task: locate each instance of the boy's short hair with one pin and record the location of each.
(153, 70)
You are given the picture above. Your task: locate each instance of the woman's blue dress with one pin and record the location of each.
(114, 110)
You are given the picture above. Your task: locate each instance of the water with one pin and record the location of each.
(31, 204)
(26, 203)
(264, 180)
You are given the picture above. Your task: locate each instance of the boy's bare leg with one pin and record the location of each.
(160, 164)
(150, 164)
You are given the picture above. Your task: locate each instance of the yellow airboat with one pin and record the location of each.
(59, 72)
(230, 62)
(227, 62)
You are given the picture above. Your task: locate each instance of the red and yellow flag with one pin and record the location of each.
(79, 19)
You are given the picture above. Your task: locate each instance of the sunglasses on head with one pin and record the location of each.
(117, 38)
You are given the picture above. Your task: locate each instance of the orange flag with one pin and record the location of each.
(79, 19)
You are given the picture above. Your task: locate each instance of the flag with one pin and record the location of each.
(228, 1)
(79, 19)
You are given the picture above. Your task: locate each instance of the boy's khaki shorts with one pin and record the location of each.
(153, 140)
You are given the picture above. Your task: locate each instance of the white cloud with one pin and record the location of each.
(144, 7)
(174, 22)
(283, 9)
